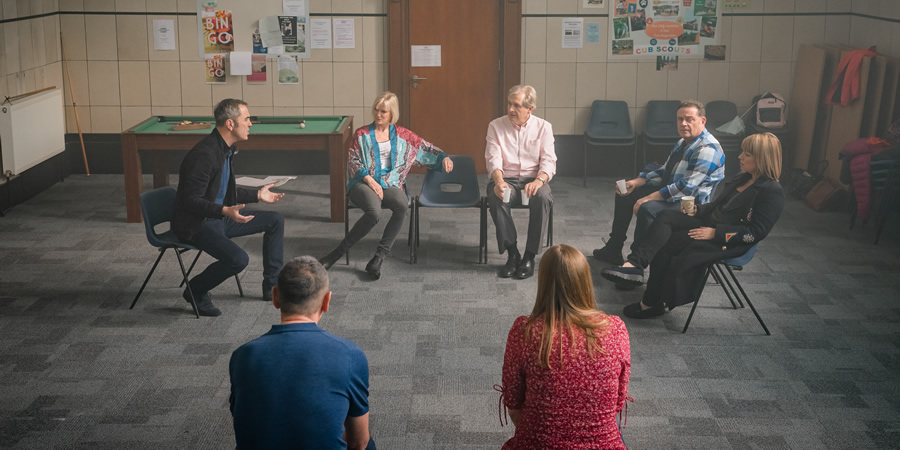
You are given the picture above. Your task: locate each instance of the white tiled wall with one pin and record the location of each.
(761, 51)
(119, 79)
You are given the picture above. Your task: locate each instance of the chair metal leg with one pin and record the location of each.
(346, 229)
(699, 294)
(190, 292)
(715, 272)
(240, 288)
(413, 230)
(482, 256)
(162, 251)
(190, 269)
(584, 167)
(747, 298)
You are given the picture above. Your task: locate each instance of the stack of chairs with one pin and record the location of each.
(660, 130)
(610, 126)
(718, 113)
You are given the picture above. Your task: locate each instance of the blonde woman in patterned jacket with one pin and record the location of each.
(381, 155)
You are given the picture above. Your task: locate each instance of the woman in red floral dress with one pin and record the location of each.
(564, 383)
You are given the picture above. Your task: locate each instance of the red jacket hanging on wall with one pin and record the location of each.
(845, 87)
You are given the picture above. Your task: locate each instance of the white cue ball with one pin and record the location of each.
(302, 124)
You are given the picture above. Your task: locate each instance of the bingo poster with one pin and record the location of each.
(663, 27)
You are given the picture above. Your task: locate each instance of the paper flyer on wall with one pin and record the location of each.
(594, 3)
(663, 27)
(299, 10)
(572, 32)
(344, 33)
(258, 69)
(288, 72)
(164, 34)
(240, 63)
(258, 46)
(216, 31)
(320, 33)
(215, 69)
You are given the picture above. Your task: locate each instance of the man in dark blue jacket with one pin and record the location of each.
(208, 209)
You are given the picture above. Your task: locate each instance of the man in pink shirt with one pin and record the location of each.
(520, 157)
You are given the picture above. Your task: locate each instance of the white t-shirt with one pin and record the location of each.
(384, 149)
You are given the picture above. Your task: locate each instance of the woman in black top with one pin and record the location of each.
(678, 247)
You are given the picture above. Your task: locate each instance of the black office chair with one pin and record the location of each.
(439, 190)
(723, 272)
(348, 205)
(608, 126)
(718, 113)
(660, 131)
(157, 207)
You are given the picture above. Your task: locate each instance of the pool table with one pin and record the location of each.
(157, 135)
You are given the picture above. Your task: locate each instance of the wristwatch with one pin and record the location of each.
(543, 180)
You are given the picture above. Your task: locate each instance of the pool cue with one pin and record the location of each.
(62, 50)
(27, 94)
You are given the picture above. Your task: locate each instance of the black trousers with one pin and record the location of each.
(624, 211)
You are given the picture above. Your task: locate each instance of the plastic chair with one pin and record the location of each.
(884, 176)
(890, 199)
(438, 192)
(723, 272)
(609, 125)
(718, 113)
(157, 207)
(410, 202)
(660, 129)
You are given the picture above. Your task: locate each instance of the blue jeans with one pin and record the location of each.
(214, 238)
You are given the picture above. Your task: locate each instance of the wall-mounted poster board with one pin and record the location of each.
(662, 27)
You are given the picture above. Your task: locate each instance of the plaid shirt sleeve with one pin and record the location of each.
(701, 163)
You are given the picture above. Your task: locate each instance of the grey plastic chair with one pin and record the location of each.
(608, 126)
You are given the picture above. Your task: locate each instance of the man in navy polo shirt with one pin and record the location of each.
(298, 386)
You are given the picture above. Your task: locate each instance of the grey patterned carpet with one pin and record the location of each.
(78, 369)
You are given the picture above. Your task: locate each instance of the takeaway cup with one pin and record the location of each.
(621, 186)
(524, 197)
(506, 194)
(687, 204)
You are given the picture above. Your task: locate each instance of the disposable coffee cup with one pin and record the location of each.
(507, 192)
(524, 197)
(687, 204)
(621, 186)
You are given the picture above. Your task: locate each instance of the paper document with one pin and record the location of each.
(241, 63)
(256, 182)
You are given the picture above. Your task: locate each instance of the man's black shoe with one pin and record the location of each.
(610, 255)
(328, 260)
(632, 276)
(525, 269)
(204, 303)
(634, 311)
(374, 266)
(509, 268)
(267, 292)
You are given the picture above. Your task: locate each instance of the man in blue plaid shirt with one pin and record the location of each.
(694, 167)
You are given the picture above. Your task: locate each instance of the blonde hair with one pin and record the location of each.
(766, 150)
(565, 301)
(529, 95)
(389, 100)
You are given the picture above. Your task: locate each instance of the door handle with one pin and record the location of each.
(416, 79)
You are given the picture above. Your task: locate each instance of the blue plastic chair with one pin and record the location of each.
(718, 113)
(457, 189)
(608, 126)
(157, 207)
(730, 284)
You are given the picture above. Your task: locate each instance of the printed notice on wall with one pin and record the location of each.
(426, 56)
(344, 33)
(594, 3)
(320, 33)
(572, 30)
(164, 34)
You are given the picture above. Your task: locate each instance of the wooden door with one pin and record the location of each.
(451, 105)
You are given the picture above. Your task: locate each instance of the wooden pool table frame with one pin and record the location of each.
(133, 141)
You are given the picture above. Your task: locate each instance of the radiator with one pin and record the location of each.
(32, 129)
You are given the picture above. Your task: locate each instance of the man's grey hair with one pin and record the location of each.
(230, 108)
(302, 285)
(529, 95)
